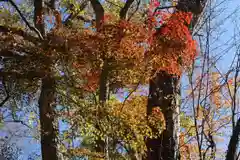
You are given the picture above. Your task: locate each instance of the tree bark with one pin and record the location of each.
(164, 92)
(47, 97)
(46, 109)
(99, 15)
(233, 143)
(38, 16)
(103, 89)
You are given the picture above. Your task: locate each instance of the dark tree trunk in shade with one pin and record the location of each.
(47, 97)
(233, 143)
(164, 92)
(46, 109)
(39, 16)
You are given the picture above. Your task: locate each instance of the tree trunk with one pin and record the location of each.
(164, 92)
(46, 108)
(38, 16)
(233, 143)
(103, 88)
(47, 97)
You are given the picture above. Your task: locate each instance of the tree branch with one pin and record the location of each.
(19, 32)
(25, 20)
(160, 8)
(7, 93)
(5, 100)
(29, 75)
(84, 19)
(138, 4)
(99, 13)
(18, 121)
(124, 10)
(38, 16)
(74, 15)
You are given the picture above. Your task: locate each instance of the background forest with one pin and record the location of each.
(119, 79)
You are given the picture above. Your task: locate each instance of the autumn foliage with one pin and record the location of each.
(127, 52)
(135, 46)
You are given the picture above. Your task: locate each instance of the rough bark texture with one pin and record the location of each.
(233, 143)
(47, 97)
(103, 89)
(99, 13)
(38, 16)
(46, 108)
(163, 92)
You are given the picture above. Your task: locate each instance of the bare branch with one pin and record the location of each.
(18, 121)
(160, 8)
(124, 10)
(25, 20)
(138, 4)
(99, 13)
(5, 100)
(74, 15)
(38, 16)
(7, 93)
(134, 90)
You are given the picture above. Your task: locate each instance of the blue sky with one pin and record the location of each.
(28, 144)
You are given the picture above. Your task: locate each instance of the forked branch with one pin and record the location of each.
(124, 10)
(25, 20)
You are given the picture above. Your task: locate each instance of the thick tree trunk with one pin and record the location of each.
(47, 97)
(233, 143)
(164, 93)
(46, 108)
(38, 16)
(103, 88)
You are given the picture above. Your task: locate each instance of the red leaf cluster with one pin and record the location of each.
(134, 45)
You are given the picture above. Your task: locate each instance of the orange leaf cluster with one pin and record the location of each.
(174, 45)
(123, 44)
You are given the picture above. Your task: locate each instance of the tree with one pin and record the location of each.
(166, 84)
(94, 65)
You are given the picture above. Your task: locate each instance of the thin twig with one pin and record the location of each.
(18, 121)
(160, 8)
(135, 88)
